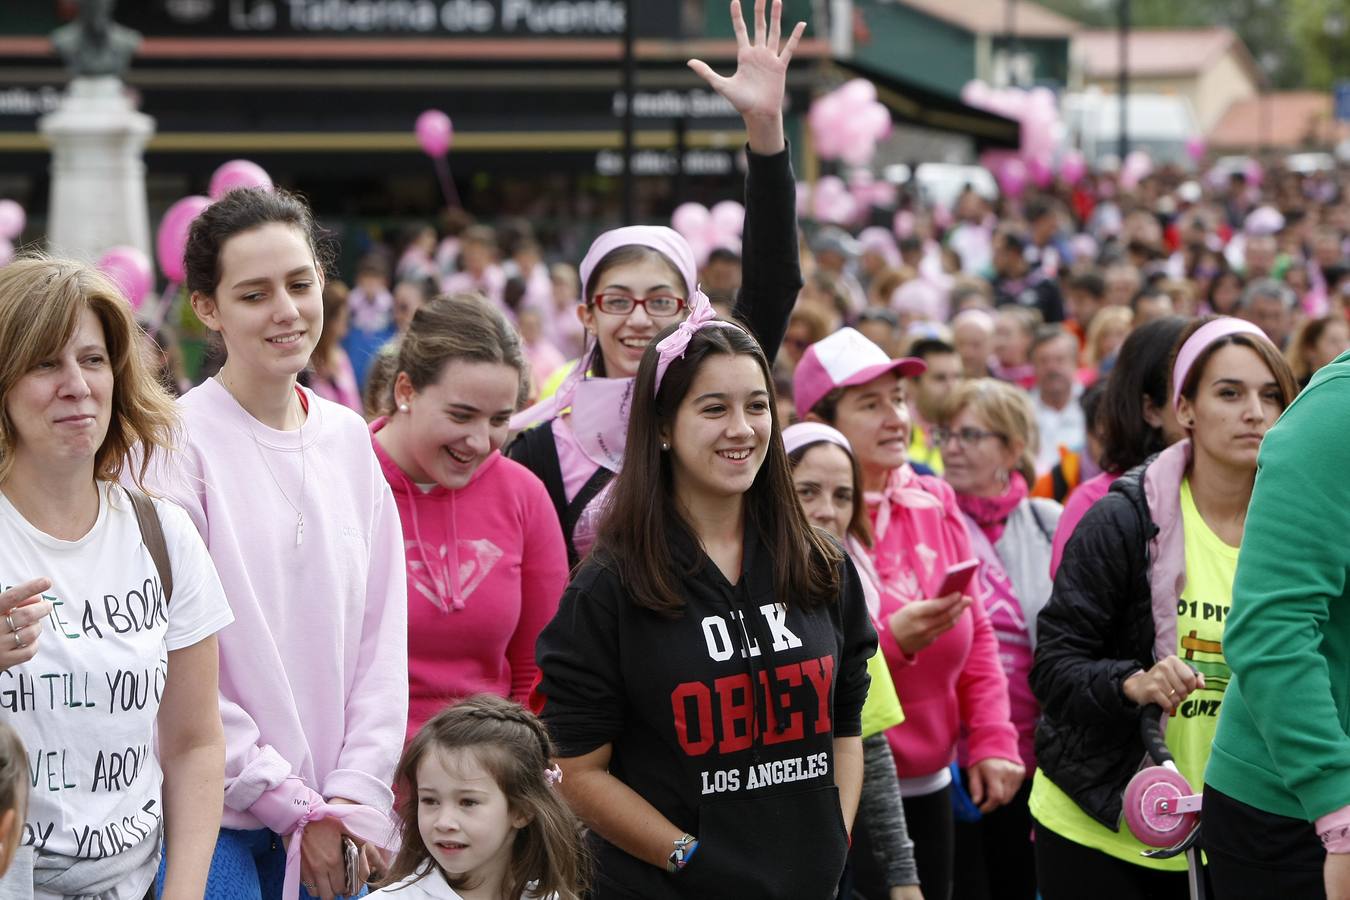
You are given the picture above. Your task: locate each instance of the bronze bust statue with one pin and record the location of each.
(95, 45)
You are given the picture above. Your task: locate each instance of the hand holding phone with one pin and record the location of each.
(958, 577)
(351, 865)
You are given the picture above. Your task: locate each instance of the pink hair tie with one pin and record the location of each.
(673, 346)
(1196, 344)
(553, 775)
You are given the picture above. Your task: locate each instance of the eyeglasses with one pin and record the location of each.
(966, 437)
(658, 306)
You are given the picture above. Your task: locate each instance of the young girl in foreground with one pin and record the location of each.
(481, 818)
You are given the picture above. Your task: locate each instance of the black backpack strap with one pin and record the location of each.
(1048, 534)
(534, 449)
(152, 535)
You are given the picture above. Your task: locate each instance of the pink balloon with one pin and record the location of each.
(238, 173)
(831, 186)
(728, 217)
(1195, 148)
(6, 251)
(1012, 178)
(434, 132)
(859, 152)
(701, 247)
(12, 220)
(1255, 174)
(690, 219)
(858, 92)
(976, 94)
(1073, 167)
(877, 118)
(130, 270)
(942, 216)
(1040, 172)
(171, 240)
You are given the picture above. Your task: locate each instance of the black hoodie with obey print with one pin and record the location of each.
(749, 772)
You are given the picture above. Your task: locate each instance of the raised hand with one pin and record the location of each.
(756, 89)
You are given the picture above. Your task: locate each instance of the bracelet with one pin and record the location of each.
(685, 845)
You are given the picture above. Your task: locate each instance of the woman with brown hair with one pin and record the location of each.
(1314, 344)
(987, 433)
(486, 562)
(704, 676)
(1137, 615)
(124, 581)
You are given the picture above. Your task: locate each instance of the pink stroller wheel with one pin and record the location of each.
(1150, 824)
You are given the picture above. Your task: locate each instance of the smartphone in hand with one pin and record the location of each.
(958, 577)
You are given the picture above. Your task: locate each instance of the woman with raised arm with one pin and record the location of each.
(637, 280)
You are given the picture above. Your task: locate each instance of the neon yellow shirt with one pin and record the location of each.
(920, 451)
(881, 709)
(1210, 567)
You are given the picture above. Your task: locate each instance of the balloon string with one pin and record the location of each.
(165, 304)
(447, 182)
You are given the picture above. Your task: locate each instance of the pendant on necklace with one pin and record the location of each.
(299, 529)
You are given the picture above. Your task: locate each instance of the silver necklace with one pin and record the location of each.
(295, 507)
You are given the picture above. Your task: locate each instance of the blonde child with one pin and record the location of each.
(481, 818)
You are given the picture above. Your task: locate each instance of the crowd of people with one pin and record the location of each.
(828, 565)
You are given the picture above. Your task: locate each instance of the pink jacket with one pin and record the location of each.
(486, 568)
(955, 685)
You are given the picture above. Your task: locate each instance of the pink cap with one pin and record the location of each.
(844, 359)
(1204, 336)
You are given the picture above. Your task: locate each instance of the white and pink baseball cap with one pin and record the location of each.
(844, 359)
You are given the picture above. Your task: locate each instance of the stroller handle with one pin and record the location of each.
(1150, 730)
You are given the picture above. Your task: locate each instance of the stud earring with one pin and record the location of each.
(403, 407)
(665, 445)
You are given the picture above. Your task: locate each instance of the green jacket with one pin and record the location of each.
(1283, 743)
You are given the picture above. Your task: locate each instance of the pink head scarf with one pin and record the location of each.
(600, 416)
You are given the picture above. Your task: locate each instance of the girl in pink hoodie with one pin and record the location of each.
(941, 650)
(289, 498)
(486, 562)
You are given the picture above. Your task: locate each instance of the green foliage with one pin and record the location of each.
(1289, 39)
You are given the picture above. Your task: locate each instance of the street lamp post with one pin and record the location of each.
(1123, 87)
(629, 89)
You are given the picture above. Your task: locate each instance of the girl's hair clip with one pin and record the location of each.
(553, 775)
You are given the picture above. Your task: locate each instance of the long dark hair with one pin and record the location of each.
(635, 534)
(1142, 369)
(548, 855)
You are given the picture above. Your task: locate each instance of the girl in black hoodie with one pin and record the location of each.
(704, 676)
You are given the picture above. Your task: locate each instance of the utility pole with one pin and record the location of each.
(1123, 89)
(629, 92)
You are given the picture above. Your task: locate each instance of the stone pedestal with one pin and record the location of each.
(98, 171)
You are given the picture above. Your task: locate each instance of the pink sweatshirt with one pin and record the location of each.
(486, 568)
(314, 670)
(1079, 502)
(956, 684)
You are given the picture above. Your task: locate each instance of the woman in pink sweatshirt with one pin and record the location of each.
(941, 650)
(303, 530)
(486, 561)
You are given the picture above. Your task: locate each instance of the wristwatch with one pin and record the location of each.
(685, 845)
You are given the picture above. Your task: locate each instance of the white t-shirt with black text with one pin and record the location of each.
(85, 705)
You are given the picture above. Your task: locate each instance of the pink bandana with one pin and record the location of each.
(673, 345)
(606, 426)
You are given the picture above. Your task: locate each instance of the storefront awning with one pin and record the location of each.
(915, 105)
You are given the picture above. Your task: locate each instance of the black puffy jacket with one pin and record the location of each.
(1095, 632)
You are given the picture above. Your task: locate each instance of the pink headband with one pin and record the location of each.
(1204, 336)
(672, 346)
(805, 433)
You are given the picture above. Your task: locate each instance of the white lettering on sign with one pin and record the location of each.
(662, 162)
(28, 101)
(671, 104)
(518, 17)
